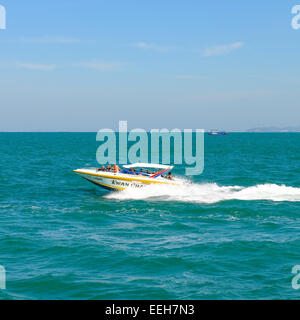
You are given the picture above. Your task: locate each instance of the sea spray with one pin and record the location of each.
(209, 193)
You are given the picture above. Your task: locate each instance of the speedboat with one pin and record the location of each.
(136, 175)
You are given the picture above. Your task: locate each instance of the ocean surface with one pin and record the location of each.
(231, 233)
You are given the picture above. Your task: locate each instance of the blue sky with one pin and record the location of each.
(69, 65)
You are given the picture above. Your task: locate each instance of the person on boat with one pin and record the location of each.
(141, 172)
(170, 176)
(132, 171)
(115, 168)
(108, 168)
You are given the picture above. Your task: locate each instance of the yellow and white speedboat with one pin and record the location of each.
(135, 175)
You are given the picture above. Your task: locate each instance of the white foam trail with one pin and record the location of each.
(209, 193)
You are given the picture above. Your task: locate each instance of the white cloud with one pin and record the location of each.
(36, 66)
(101, 65)
(223, 49)
(50, 40)
(96, 65)
(150, 46)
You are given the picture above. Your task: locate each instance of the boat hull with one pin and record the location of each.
(115, 181)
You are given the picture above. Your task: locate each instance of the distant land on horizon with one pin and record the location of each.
(275, 129)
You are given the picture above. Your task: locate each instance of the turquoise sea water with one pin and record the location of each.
(231, 233)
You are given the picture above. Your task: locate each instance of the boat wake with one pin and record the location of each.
(209, 193)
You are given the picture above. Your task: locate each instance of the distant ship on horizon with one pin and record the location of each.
(217, 133)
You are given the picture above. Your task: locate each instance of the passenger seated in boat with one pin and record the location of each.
(141, 172)
(170, 176)
(132, 171)
(108, 168)
(115, 168)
